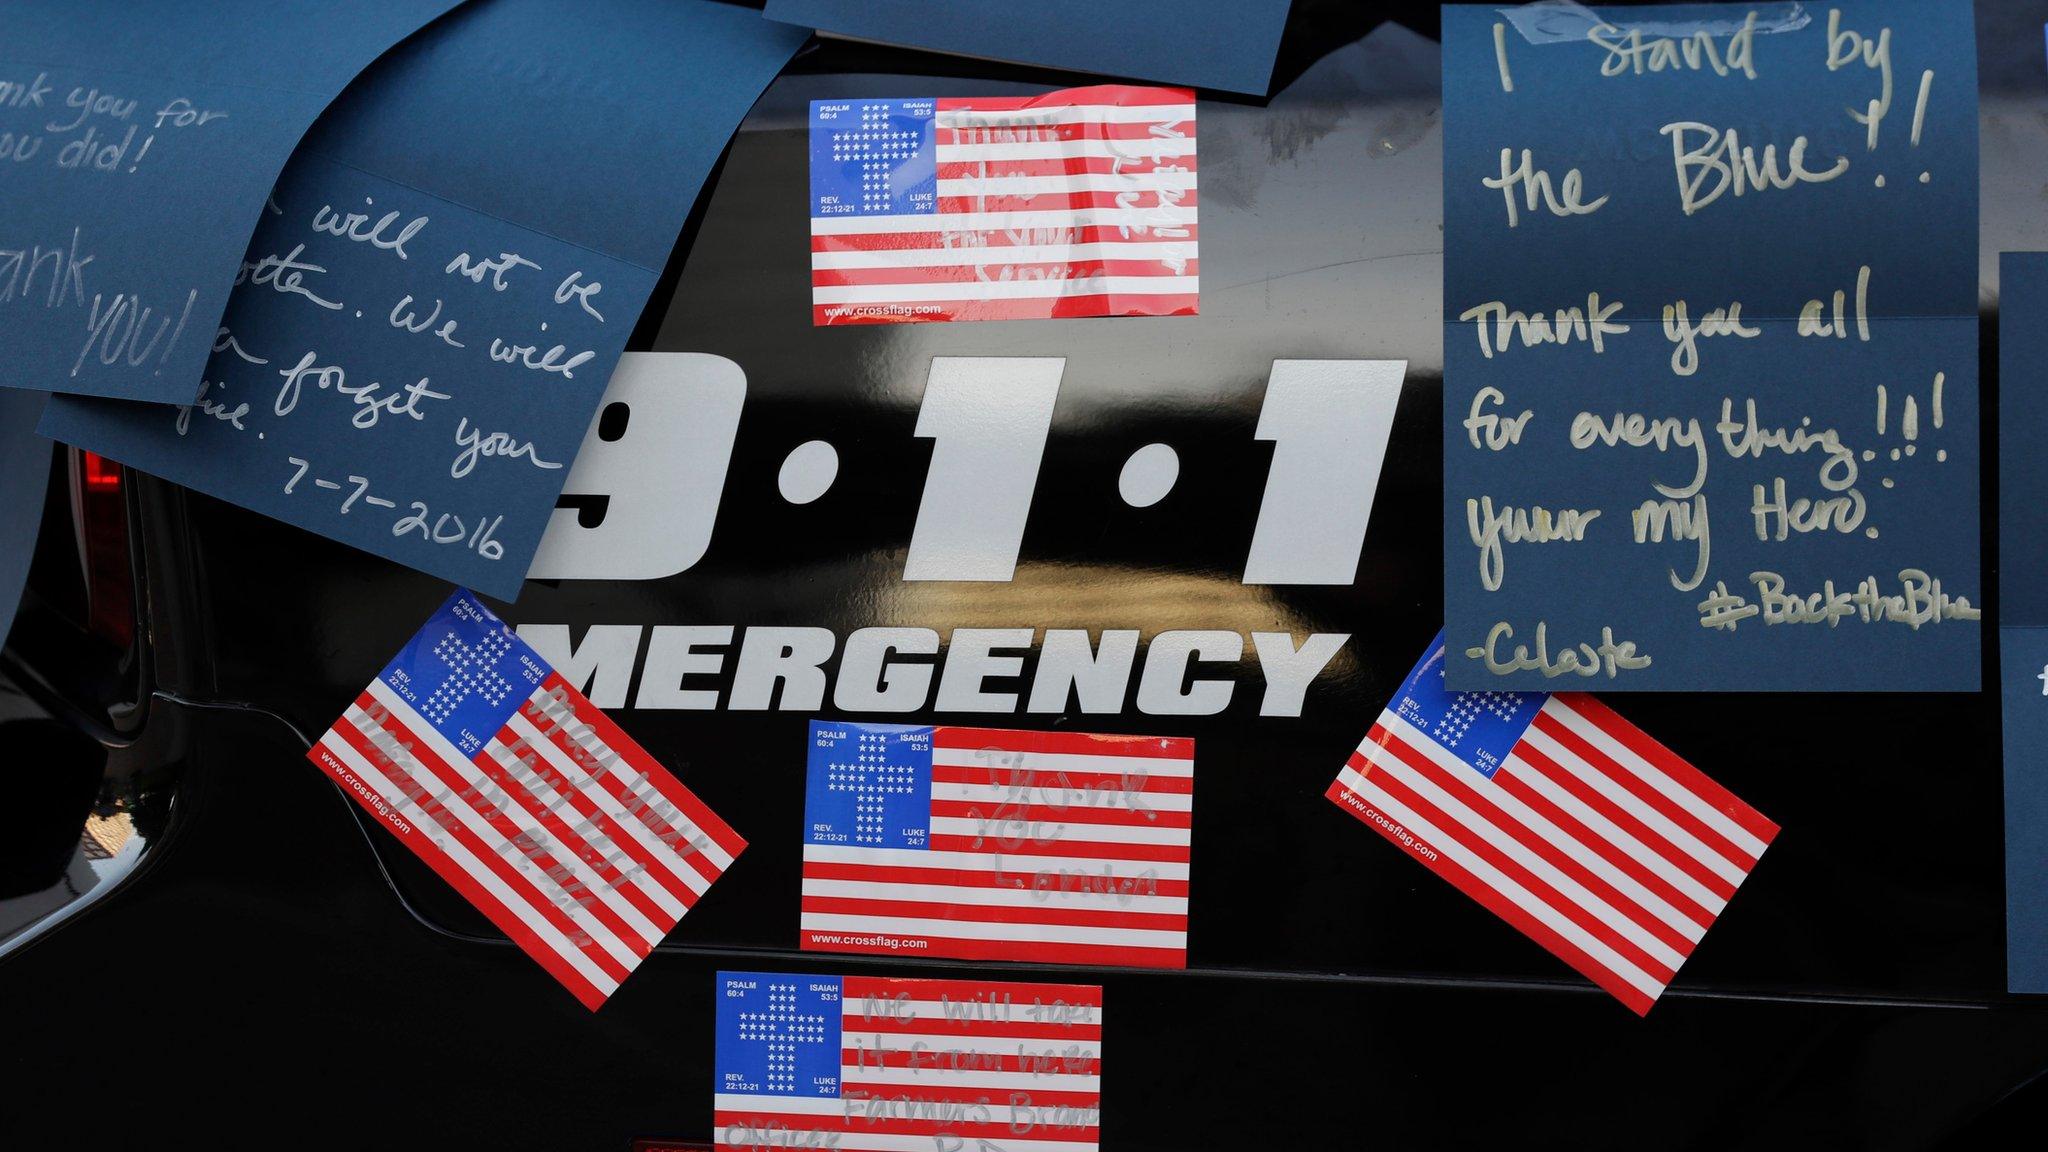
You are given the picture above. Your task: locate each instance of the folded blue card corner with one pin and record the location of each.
(1218, 44)
(2022, 430)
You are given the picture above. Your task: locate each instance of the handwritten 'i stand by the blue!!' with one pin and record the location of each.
(424, 324)
(137, 143)
(1710, 405)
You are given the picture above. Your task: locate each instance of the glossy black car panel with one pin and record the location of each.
(282, 972)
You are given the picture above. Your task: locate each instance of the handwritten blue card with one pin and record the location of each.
(448, 274)
(2023, 673)
(137, 142)
(1710, 347)
(2023, 608)
(1201, 43)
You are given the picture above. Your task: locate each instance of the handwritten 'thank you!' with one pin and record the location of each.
(1710, 403)
(137, 143)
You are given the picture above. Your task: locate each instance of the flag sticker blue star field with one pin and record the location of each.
(778, 1034)
(1480, 728)
(465, 672)
(873, 158)
(870, 785)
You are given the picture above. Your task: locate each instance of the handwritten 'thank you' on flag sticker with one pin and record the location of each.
(1561, 818)
(504, 779)
(878, 1065)
(993, 844)
(1075, 203)
(2023, 610)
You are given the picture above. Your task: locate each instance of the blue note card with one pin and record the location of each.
(2022, 432)
(2023, 608)
(137, 142)
(1200, 43)
(448, 272)
(24, 477)
(1710, 348)
(2023, 674)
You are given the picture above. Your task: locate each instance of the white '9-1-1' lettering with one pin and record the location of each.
(988, 419)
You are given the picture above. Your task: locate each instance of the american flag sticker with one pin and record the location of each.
(991, 844)
(504, 779)
(1075, 203)
(1560, 817)
(866, 1064)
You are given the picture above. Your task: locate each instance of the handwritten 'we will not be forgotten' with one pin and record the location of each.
(1711, 270)
(411, 365)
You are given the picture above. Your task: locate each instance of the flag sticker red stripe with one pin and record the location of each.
(1653, 804)
(992, 265)
(696, 812)
(1141, 781)
(966, 203)
(1669, 762)
(1068, 743)
(944, 241)
(1053, 166)
(1558, 774)
(1466, 788)
(1067, 307)
(513, 886)
(1020, 876)
(500, 912)
(1093, 94)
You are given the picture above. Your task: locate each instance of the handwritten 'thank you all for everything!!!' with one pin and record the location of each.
(1712, 268)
